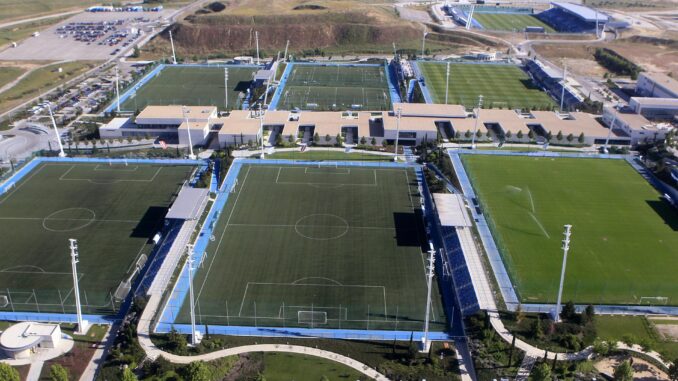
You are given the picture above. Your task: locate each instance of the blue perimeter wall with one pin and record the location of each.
(150, 75)
(180, 290)
(71, 318)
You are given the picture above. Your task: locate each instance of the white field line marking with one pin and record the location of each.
(23, 181)
(216, 251)
(534, 218)
(242, 303)
(65, 219)
(314, 226)
(529, 194)
(105, 182)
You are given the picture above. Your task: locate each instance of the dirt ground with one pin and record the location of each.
(643, 371)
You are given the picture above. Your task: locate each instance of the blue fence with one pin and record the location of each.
(393, 86)
(55, 318)
(281, 86)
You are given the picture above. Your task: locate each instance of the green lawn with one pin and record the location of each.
(289, 367)
(112, 211)
(8, 74)
(328, 156)
(504, 86)
(320, 87)
(41, 80)
(20, 9)
(637, 328)
(623, 236)
(330, 247)
(193, 86)
(509, 22)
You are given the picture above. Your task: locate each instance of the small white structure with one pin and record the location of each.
(23, 339)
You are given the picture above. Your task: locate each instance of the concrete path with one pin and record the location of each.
(97, 359)
(153, 352)
(35, 370)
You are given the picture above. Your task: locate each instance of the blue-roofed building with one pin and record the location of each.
(573, 18)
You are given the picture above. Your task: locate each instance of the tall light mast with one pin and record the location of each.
(56, 131)
(262, 112)
(174, 56)
(286, 47)
(447, 83)
(562, 93)
(225, 89)
(195, 334)
(256, 37)
(399, 113)
(425, 343)
(184, 110)
(82, 324)
(566, 248)
(117, 90)
(423, 42)
(475, 126)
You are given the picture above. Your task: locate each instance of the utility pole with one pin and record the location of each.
(262, 112)
(425, 343)
(117, 90)
(56, 131)
(475, 126)
(256, 37)
(82, 324)
(566, 248)
(286, 47)
(184, 110)
(399, 112)
(609, 131)
(562, 93)
(447, 83)
(423, 42)
(174, 56)
(195, 334)
(225, 89)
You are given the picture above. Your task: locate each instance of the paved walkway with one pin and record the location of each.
(97, 359)
(153, 352)
(35, 370)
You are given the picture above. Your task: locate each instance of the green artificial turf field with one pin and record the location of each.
(502, 86)
(509, 22)
(624, 237)
(333, 247)
(192, 86)
(319, 87)
(112, 211)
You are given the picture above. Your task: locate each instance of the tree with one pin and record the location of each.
(467, 134)
(519, 135)
(128, 375)
(559, 136)
(568, 313)
(278, 140)
(316, 138)
(588, 315)
(601, 347)
(290, 139)
(537, 329)
(7, 373)
(570, 138)
(373, 141)
(549, 136)
(339, 139)
(58, 373)
(197, 371)
(530, 134)
(177, 341)
(508, 135)
(363, 141)
(542, 372)
(623, 371)
(324, 378)
(673, 371)
(581, 138)
(328, 138)
(136, 52)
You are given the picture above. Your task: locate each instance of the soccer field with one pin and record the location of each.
(320, 247)
(112, 210)
(334, 87)
(500, 85)
(624, 239)
(192, 86)
(509, 22)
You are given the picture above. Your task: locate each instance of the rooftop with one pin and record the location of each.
(649, 101)
(176, 112)
(25, 335)
(583, 12)
(432, 110)
(662, 80)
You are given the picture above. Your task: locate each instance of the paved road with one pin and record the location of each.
(24, 139)
(53, 15)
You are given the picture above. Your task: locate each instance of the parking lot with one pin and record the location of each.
(91, 36)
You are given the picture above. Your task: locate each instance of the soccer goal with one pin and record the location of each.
(654, 300)
(312, 317)
(4, 301)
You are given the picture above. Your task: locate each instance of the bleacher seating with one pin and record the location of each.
(565, 22)
(160, 251)
(552, 84)
(462, 277)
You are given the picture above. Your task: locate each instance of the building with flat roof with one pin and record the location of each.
(635, 126)
(656, 85)
(655, 108)
(23, 339)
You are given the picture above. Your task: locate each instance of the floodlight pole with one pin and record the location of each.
(399, 113)
(56, 131)
(286, 47)
(609, 132)
(82, 324)
(256, 36)
(475, 126)
(225, 89)
(195, 335)
(425, 344)
(423, 42)
(188, 131)
(447, 83)
(562, 92)
(174, 56)
(117, 90)
(262, 112)
(566, 248)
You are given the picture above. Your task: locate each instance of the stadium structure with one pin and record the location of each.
(561, 17)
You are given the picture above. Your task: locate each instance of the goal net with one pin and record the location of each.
(312, 317)
(4, 301)
(654, 300)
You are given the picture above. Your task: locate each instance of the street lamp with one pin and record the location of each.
(184, 110)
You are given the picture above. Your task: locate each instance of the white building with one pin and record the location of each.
(655, 108)
(23, 339)
(656, 85)
(635, 126)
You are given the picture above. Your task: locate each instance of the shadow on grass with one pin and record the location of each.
(667, 212)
